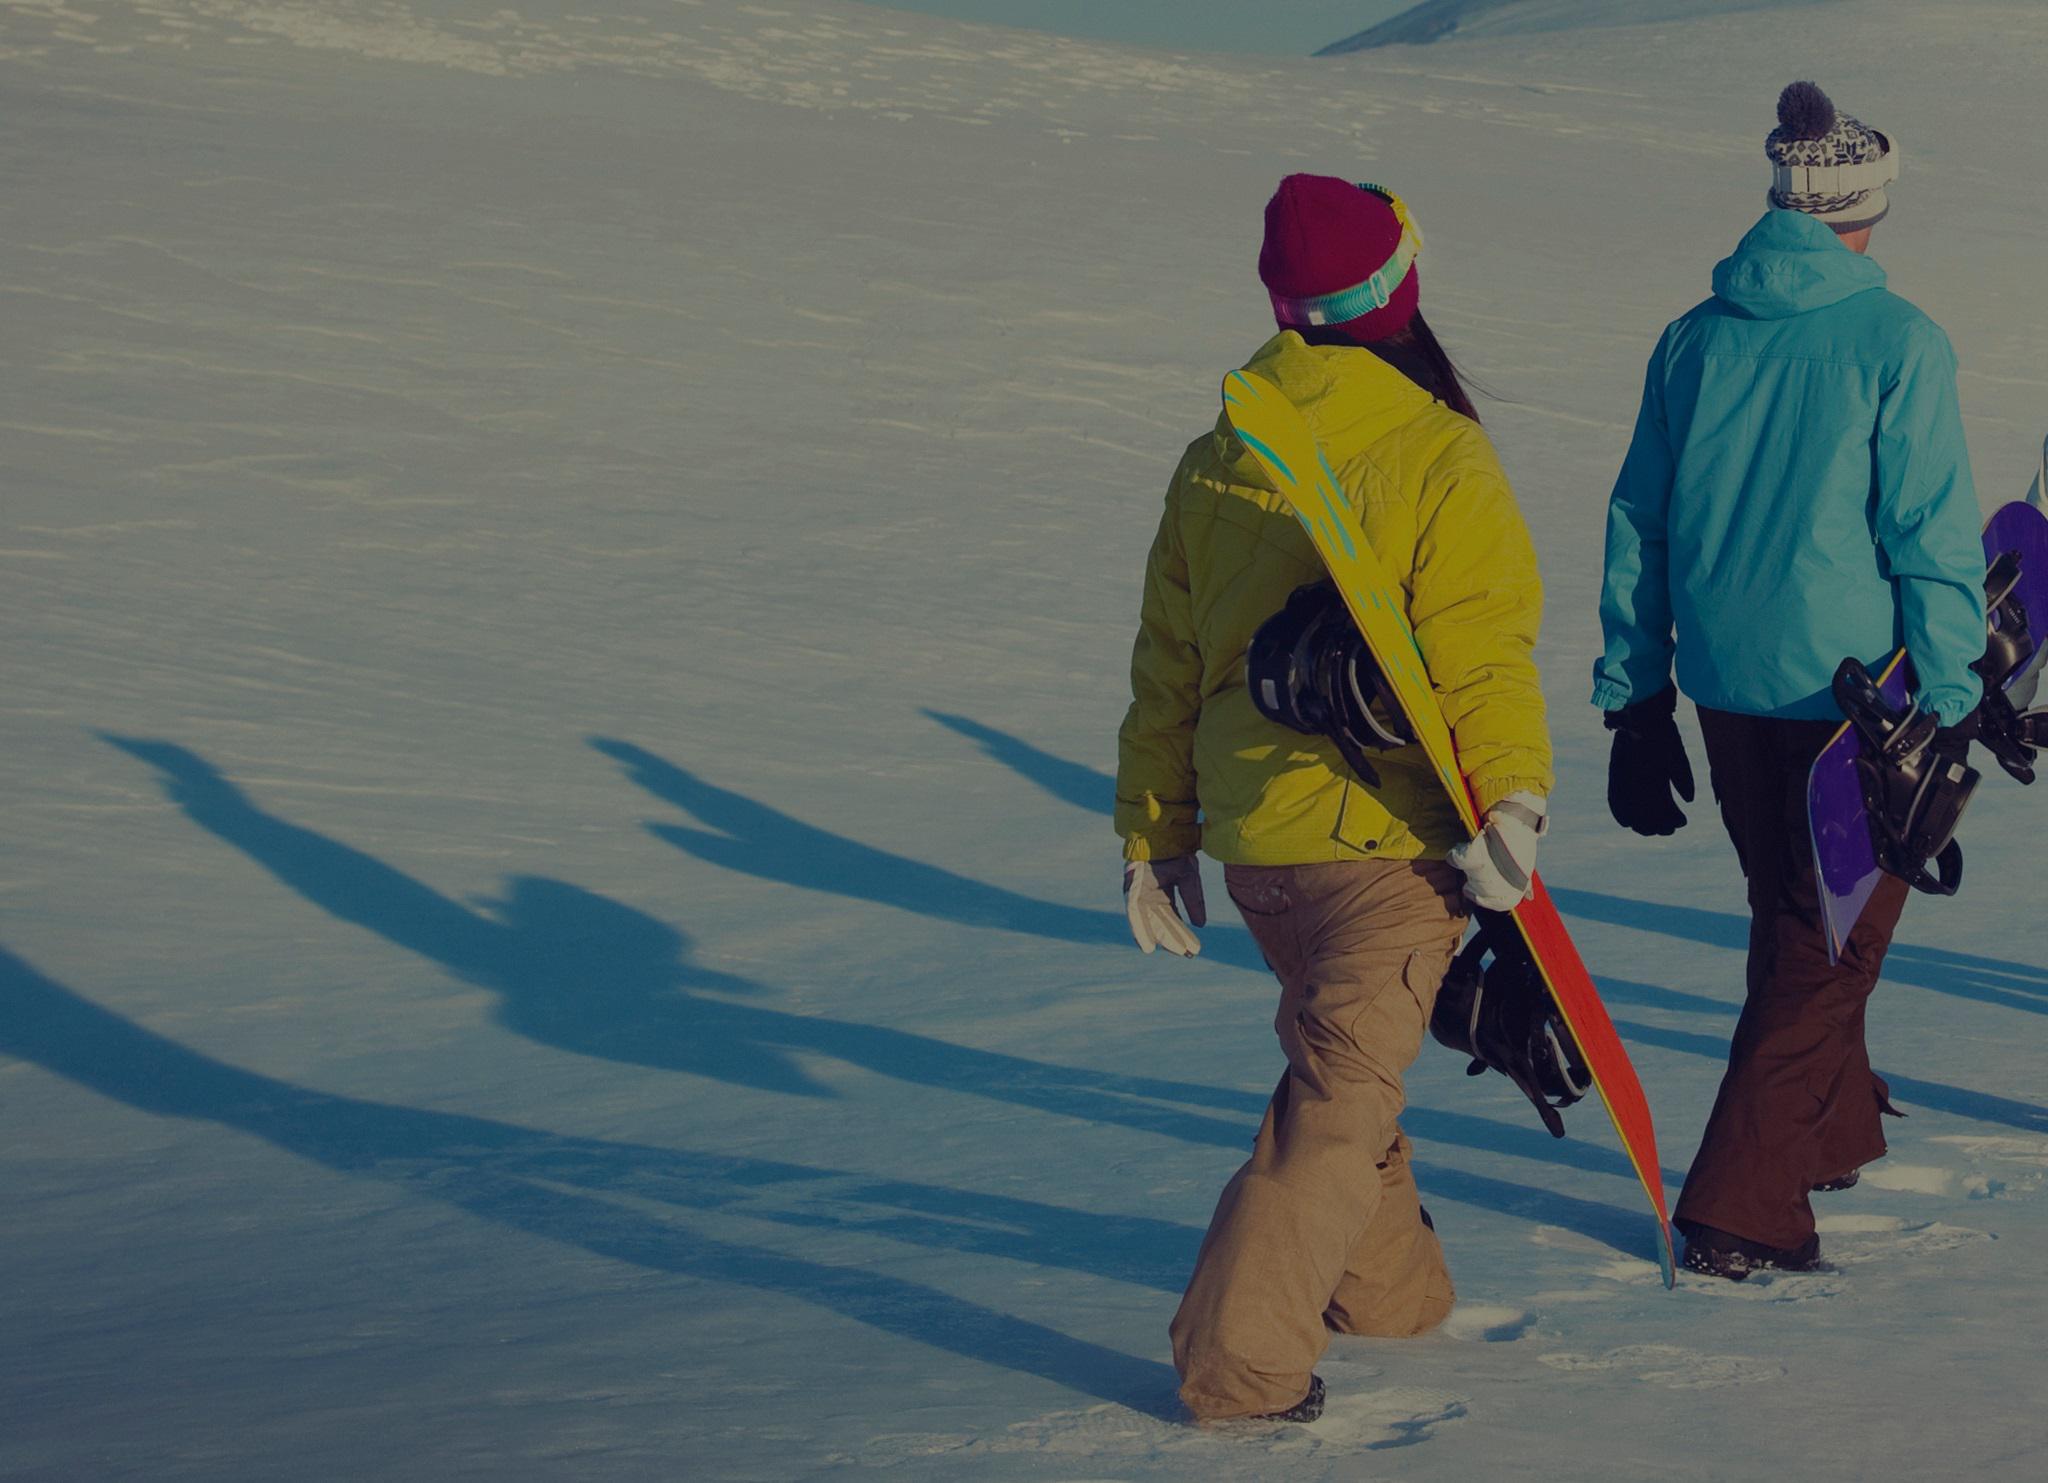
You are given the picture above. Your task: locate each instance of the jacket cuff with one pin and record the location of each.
(1951, 709)
(1167, 845)
(1610, 696)
(1493, 790)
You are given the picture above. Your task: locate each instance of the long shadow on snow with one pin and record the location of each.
(1966, 975)
(1085, 788)
(1070, 782)
(754, 839)
(1939, 1096)
(1615, 991)
(783, 848)
(514, 1176)
(582, 973)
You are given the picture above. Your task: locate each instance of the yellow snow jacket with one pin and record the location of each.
(1197, 764)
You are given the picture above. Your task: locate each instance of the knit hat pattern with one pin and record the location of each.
(1812, 131)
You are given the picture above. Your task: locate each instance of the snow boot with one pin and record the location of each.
(1719, 1253)
(1839, 1182)
(1308, 1408)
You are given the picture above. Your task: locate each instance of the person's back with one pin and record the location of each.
(1352, 875)
(1796, 493)
(1425, 478)
(1801, 408)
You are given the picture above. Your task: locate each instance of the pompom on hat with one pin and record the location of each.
(1339, 260)
(1827, 164)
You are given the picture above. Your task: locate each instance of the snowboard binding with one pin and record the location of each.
(1913, 794)
(1308, 668)
(1502, 1016)
(2011, 671)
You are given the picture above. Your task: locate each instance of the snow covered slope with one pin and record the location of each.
(569, 573)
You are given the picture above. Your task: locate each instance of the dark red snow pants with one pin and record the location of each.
(1799, 1104)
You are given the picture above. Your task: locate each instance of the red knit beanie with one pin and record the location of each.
(1325, 235)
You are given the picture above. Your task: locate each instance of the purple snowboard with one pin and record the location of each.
(1843, 854)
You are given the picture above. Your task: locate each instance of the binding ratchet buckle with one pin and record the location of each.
(1913, 796)
(1309, 669)
(2011, 672)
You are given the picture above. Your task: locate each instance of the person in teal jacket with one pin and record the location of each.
(1797, 491)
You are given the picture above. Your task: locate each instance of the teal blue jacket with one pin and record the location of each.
(1797, 491)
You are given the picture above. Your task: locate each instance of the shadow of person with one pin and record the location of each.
(1071, 783)
(566, 970)
(781, 848)
(592, 1194)
(1988, 980)
(582, 973)
(754, 839)
(2001, 981)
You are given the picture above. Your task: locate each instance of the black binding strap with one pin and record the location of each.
(1309, 669)
(1501, 1015)
(1913, 794)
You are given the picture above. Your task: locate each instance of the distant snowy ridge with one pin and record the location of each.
(1434, 20)
(1430, 21)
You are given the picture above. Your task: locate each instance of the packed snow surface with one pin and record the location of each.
(569, 571)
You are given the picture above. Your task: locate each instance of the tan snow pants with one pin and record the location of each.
(1322, 1229)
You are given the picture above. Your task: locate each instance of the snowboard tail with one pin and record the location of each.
(1280, 438)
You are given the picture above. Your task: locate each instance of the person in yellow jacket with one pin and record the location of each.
(1356, 891)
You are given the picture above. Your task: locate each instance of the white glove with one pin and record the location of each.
(1149, 888)
(1499, 863)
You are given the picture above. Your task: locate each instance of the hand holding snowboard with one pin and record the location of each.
(1499, 862)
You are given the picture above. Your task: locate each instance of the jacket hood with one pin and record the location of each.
(1789, 264)
(1349, 396)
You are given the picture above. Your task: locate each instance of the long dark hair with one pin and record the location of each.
(1414, 351)
(1417, 354)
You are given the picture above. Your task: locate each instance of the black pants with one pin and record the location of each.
(1799, 1104)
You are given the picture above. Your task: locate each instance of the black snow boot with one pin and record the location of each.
(1839, 1182)
(1308, 1408)
(1718, 1253)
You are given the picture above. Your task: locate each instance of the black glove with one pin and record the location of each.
(1648, 762)
(1952, 743)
